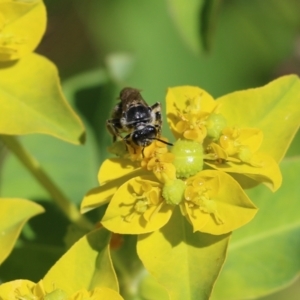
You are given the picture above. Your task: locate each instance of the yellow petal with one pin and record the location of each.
(233, 207)
(9, 290)
(22, 25)
(274, 108)
(120, 216)
(266, 170)
(217, 151)
(114, 168)
(112, 174)
(251, 137)
(98, 196)
(177, 99)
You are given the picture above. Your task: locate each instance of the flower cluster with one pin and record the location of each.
(28, 290)
(203, 174)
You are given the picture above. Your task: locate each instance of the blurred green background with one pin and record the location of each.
(100, 46)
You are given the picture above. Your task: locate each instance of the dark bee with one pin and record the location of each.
(133, 116)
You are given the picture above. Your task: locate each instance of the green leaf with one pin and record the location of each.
(150, 289)
(60, 161)
(208, 22)
(186, 18)
(85, 80)
(196, 21)
(251, 39)
(86, 265)
(294, 148)
(30, 260)
(276, 112)
(22, 25)
(263, 256)
(14, 213)
(185, 263)
(37, 105)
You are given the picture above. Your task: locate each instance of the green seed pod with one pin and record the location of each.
(215, 123)
(173, 192)
(188, 158)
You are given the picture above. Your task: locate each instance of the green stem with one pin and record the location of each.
(67, 207)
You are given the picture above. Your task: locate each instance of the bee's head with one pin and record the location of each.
(145, 136)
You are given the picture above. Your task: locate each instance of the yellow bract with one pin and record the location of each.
(28, 290)
(266, 170)
(236, 140)
(215, 203)
(137, 207)
(21, 289)
(112, 174)
(22, 25)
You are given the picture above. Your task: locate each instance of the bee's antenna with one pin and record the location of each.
(170, 144)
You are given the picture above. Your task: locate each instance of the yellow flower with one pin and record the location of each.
(215, 203)
(232, 149)
(192, 119)
(137, 207)
(28, 290)
(144, 188)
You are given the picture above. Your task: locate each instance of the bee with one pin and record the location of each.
(132, 115)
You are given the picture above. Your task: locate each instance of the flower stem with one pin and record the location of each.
(66, 206)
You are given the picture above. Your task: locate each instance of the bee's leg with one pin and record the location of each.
(113, 126)
(128, 142)
(156, 117)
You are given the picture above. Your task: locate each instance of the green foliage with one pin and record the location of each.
(37, 104)
(150, 248)
(14, 213)
(264, 256)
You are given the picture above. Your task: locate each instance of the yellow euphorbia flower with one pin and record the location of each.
(230, 149)
(137, 207)
(144, 186)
